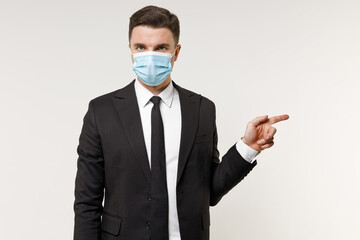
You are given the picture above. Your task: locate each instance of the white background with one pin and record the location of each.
(251, 58)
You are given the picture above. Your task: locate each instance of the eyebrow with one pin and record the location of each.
(159, 45)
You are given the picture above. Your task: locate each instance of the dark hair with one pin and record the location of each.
(156, 17)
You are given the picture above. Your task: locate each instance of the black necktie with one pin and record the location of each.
(159, 194)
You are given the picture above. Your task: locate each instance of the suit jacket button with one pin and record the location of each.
(149, 197)
(148, 227)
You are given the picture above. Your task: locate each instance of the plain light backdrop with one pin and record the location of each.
(251, 58)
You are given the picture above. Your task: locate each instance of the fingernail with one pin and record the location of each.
(260, 142)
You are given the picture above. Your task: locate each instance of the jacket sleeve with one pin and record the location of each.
(227, 173)
(89, 181)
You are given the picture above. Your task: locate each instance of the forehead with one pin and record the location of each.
(151, 36)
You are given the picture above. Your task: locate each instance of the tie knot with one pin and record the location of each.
(155, 99)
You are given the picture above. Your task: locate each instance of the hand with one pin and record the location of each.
(259, 133)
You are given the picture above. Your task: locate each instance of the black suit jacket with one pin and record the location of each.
(113, 163)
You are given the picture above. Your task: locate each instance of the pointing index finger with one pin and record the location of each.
(279, 118)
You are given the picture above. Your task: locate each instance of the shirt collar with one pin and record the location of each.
(144, 95)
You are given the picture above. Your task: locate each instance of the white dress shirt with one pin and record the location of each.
(171, 115)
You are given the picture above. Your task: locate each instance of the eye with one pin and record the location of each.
(162, 48)
(140, 48)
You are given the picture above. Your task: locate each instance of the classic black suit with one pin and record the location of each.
(112, 157)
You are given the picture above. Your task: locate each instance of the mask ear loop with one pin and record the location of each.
(174, 51)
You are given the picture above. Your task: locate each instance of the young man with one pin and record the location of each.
(152, 146)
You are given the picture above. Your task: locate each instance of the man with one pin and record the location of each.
(150, 148)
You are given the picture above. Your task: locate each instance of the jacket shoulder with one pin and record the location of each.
(203, 99)
(106, 98)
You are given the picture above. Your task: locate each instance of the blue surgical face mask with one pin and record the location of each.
(152, 67)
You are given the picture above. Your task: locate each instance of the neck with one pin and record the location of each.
(156, 90)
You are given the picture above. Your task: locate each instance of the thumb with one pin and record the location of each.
(259, 120)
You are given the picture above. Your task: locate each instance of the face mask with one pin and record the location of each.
(152, 67)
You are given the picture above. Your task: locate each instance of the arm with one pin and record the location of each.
(233, 168)
(89, 182)
(227, 173)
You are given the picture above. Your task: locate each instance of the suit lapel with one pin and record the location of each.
(126, 105)
(190, 103)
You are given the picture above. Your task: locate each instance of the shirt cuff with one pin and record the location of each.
(246, 152)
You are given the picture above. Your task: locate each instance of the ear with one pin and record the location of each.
(177, 51)
(132, 59)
